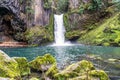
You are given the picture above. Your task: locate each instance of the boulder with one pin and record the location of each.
(75, 70)
(52, 71)
(8, 66)
(34, 78)
(83, 70)
(99, 74)
(23, 65)
(42, 63)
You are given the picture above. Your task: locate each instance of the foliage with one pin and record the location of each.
(73, 34)
(37, 35)
(50, 27)
(62, 5)
(47, 4)
(105, 34)
(91, 6)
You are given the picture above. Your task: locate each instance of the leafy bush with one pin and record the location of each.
(47, 4)
(62, 5)
(91, 6)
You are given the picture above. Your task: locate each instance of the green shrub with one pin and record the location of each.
(62, 5)
(47, 4)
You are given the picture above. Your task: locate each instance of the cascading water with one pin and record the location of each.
(59, 31)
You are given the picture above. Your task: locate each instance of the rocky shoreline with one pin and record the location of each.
(45, 68)
(13, 44)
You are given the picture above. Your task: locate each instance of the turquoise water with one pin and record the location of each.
(66, 55)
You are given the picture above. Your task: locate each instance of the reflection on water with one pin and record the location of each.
(69, 54)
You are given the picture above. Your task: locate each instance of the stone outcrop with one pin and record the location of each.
(8, 66)
(41, 14)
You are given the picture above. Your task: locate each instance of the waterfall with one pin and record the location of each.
(59, 30)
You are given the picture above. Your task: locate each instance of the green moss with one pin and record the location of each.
(105, 34)
(37, 63)
(47, 4)
(106, 44)
(66, 21)
(75, 70)
(81, 66)
(49, 59)
(34, 78)
(50, 27)
(52, 71)
(73, 34)
(8, 66)
(64, 75)
(23, 66)
(37, 35)
(100, 74)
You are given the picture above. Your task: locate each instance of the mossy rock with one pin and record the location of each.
(84, 78)
(83, 70)
(34, 78)
(8, 66)
(42, 62)
(75, 70)
(52, 71)
(23, 65)
(73, 35)
(99, 74)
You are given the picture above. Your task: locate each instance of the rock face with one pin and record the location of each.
(41, 15)
(8, 66)
(10, 20)
(10, 11)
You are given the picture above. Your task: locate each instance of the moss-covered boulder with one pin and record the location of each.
(73, 35)
(23, 65)
(34, 78)
(52, 71)
(75, 70)
(83, 70)
(8, 66)
(42, 63)
(99, 74)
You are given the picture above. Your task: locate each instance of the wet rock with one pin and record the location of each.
(8, 66)
(23, 65)
(113, 60)
(6, 78)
